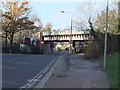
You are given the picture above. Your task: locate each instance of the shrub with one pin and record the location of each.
(92, 50)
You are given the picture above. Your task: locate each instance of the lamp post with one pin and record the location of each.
(106, 28)
(70, 41)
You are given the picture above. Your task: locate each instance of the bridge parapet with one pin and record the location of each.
(65, 32)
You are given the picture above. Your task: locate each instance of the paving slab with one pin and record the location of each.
(82, 73)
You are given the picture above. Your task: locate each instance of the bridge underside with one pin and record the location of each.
(78, 45)
(65, 40)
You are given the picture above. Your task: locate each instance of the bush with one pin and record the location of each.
(92, 50)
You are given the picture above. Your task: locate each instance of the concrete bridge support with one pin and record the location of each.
(48, 48)
(73, 47)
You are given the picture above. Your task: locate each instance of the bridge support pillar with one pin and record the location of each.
(48, 48)
(73, 47)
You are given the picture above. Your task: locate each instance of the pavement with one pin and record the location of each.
(78, 72)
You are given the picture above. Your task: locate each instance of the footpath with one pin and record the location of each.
(77, 72)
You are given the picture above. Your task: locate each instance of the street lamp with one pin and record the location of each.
(70, 41)
(106, 28)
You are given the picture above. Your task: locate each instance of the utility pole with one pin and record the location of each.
(106, 29)
(70, 41)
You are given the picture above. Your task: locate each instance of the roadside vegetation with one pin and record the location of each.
(95, 49)
(112, 70)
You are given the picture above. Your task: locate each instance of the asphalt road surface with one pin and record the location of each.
(18, 69)
(61, 52)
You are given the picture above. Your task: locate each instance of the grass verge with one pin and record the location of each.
(112, 70)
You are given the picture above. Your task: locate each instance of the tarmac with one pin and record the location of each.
(77, 72)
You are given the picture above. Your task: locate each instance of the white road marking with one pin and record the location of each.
(31, 82)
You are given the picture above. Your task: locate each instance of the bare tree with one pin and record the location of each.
(87, 12)
(48, 27)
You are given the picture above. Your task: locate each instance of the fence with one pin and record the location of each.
(22, 48)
